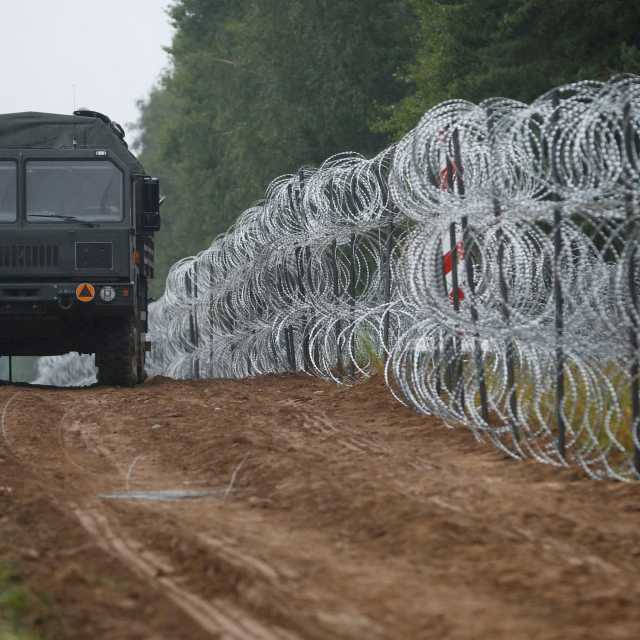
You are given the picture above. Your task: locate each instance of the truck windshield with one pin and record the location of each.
(69, 190)
(8, 190)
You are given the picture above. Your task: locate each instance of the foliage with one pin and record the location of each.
(475, 49)
(14, 605)
(260, 87)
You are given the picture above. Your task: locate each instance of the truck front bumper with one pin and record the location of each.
(37, 298)
(51, 318)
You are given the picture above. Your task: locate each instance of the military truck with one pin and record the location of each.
(77, 217)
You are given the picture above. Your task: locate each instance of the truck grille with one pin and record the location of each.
(20, 256)
(94, 255)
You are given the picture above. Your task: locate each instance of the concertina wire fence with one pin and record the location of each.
(487, 263)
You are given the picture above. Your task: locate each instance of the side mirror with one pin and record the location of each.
(151, 200)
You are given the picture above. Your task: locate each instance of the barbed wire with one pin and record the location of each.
(487, 263)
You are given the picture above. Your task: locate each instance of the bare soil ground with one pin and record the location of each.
(332, 513)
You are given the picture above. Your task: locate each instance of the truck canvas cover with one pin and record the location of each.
(32, 130)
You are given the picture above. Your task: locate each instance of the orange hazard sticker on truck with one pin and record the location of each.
(85, 292)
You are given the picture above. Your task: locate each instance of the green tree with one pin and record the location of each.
(519, 49)
(256, 89)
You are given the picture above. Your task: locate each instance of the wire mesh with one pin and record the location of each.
(487, 263)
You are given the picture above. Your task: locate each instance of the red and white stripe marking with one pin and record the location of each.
(445, 182)
(447, 266)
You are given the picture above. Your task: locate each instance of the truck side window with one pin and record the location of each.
(8, 189)
(85, 189)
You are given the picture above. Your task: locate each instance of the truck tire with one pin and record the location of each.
(142, 355)
(118, 360)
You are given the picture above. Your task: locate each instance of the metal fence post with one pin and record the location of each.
(337, 294)
(194, 315)
(391, 211)
(316, 346)
(211, 317)
(456, 365)
(289, 331)
(471, 285)
(504, 303)
(352, 292)
(442, 346)
(557, 290)
(388, 251)
(285, 288)
(300, 254)
(633, 294)
(301, 259)
(193, 336)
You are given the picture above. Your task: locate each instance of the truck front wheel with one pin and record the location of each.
(118, 360)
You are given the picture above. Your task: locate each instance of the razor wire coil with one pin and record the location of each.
(488, 262)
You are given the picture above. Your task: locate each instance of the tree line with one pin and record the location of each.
(257, 88)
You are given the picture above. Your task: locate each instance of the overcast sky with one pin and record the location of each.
(111, 50)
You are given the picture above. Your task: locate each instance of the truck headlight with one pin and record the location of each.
(107, 294)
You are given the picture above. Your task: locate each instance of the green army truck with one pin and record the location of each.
(77, 219)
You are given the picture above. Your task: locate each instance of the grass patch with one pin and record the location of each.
(368, 356)
(15, 603)
(596, 408)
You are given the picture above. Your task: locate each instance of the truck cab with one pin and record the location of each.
(77, 217)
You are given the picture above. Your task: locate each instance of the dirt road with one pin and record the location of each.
(315, 512)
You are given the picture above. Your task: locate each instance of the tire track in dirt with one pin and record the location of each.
(92, 465)
(349, 517)
(222, 619)
(44, 511)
